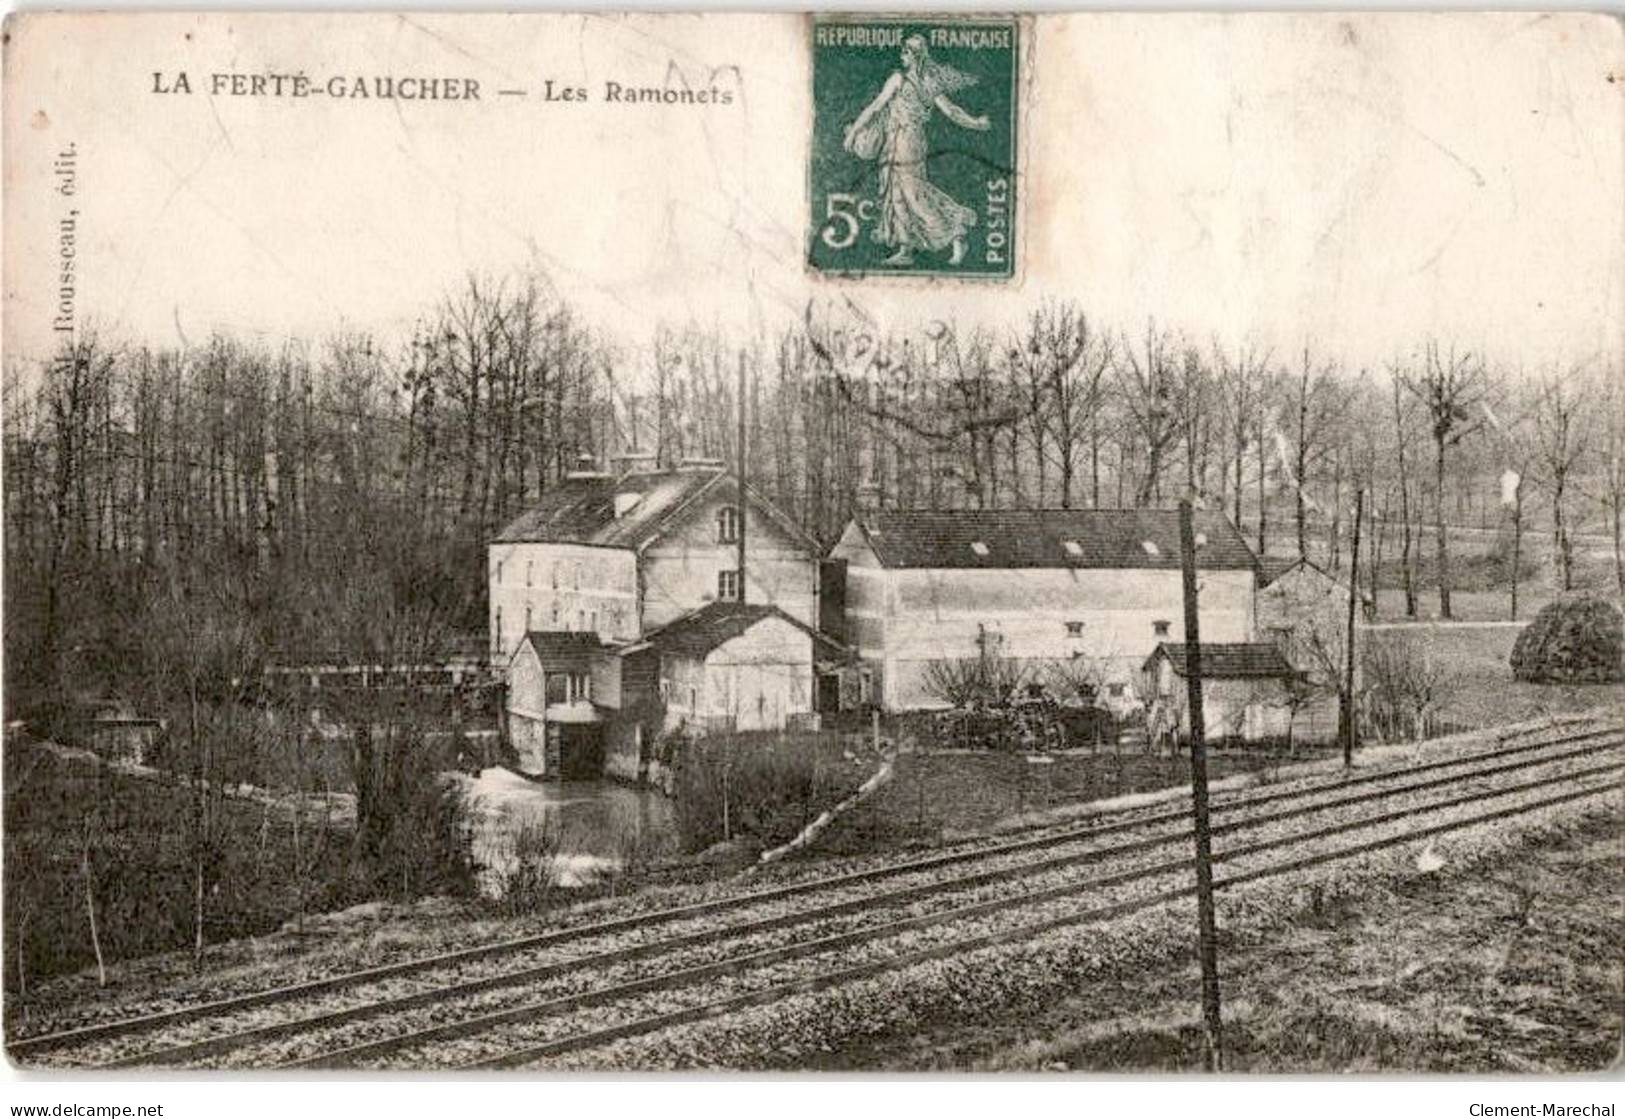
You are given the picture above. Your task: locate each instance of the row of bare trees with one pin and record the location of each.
(282, 471)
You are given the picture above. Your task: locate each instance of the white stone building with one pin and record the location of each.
(579, 581)
(1036, 585)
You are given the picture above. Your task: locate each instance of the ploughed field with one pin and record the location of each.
(776, 970)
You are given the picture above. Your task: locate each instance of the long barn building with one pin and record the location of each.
(1035, 585)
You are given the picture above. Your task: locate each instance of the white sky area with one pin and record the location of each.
(1360, 182)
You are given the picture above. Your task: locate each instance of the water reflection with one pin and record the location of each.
(594, 825)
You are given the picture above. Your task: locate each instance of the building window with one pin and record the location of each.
(727, 525)
(728, 586)
(1160, 628)
(496, 631)
(1074, 629)
(499, 571)
(569, 687)
(530, 571)
(527, 618)
(555, 615)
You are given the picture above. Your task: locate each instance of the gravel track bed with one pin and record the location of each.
(796, 1031)
(295, 970)
(587, 976)
(516, 1036)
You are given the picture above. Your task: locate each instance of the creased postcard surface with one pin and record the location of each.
(993, 541)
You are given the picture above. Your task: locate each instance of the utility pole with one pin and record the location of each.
(739, 476)
(1346, 708)
(1207, 933)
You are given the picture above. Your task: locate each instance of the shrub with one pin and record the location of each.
(1576, 640)
(984, 681)
(1402, 685)
(760, 786)
(525, 873)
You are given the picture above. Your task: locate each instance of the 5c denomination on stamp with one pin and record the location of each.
(913, 155)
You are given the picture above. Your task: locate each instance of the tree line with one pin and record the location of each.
(355, 470)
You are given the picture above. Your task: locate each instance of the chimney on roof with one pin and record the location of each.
(585, 467)
(696, 463)
(635, 462)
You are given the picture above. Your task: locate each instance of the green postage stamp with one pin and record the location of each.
(913, 155)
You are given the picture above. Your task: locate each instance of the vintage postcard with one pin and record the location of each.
(792, 542)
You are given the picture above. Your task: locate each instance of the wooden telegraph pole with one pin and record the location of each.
(1348, 730)
(1207, 933)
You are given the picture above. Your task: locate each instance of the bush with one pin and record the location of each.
(763, 787)
(525, 874)
(1576, 640)
(1402, 688)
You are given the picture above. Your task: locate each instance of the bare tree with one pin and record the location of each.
(1451, 387)
(1315, 405)
(1062, 361)
(1564, 413)
(1611, 488)
(1242, 380)
(1150, 379)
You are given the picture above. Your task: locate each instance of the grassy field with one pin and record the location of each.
(136, 859)
(1477, 687)
(1511, 967)
(948, 793)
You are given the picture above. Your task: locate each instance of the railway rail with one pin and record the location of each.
(536, 997)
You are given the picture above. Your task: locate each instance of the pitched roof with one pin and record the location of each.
(563, 648)
(1064, 538)
(582, 510)
(1272, 570)
(1242, 660)
(717, 623)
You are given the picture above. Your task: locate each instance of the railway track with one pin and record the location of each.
(537, 997)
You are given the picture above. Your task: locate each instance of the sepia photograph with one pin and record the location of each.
(985, 544)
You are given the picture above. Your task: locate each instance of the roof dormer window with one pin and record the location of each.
(1073, 548)
(1151, 548)
(978, 547)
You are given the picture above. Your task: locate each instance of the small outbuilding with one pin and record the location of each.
(738, 666)
(1249, 692)
(562, 687)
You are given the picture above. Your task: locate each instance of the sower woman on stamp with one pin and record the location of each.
(914, 214)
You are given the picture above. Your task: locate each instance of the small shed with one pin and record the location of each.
(1249, 690)
(562, 685)
(737, 666)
